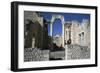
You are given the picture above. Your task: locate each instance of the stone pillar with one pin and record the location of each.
(51, 29)
(52, 20)
(62, 18)
(33, 42)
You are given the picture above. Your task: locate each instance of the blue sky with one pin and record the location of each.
(57, 28)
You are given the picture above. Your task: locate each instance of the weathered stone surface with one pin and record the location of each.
(58, 54)
(34, 54)
(78, 52)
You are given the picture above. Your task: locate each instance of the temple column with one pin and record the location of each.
(63, 35)
(62, 19)
(51, 29)
(52, 20)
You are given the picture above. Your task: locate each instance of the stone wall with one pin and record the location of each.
(34, 54)
(78, 32)
(35, 30)
(78, 52)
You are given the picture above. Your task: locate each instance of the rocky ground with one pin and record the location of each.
(78, 52)
(71, 52)
(34, 54)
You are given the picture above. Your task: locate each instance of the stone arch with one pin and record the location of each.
(54, 17)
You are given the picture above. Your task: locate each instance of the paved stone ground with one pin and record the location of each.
(59, 55)
(78, 52)
(73, 52)
(34, 54)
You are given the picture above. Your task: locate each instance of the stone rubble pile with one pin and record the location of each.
(78, 52)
